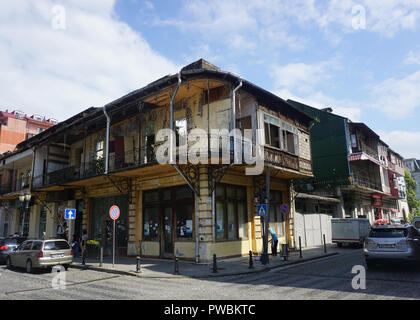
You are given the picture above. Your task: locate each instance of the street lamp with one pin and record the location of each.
(24, 201)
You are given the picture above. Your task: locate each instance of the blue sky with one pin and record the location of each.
(362, 58)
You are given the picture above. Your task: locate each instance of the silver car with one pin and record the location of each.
(392, 243)
(33, 254)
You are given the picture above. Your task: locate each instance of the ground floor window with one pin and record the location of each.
(42, 221)
(168, 214)
(102, 225)
(231, 212)
(277, 218)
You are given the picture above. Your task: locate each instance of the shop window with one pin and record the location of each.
(231, 212)
(184, 222)
(151, 196)
(178, 201)
(151, 224)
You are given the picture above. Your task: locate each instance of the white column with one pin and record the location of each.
(34, 213)
(51, 227)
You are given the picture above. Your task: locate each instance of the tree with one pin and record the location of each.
(413, 203)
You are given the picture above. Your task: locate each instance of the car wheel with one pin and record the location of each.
(66, 266)
(29, 268)
(9, 263)
(339, 244)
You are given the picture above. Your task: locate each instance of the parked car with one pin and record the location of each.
(7, 245)
(416, 222)
(392, 243)
(349, 231)
(33, 254)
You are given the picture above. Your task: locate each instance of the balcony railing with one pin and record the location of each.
(365, 182)
(368, 150)
(21, 183)
(281, 158)
(96, 167)
(395, 168)
(144, 156)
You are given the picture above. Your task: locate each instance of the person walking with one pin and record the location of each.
(84, 245)
(75, 246)
(274, 241)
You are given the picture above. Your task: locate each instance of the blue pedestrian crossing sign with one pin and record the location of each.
(70, 214)
(262, 210)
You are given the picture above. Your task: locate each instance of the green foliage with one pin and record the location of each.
(413, 203)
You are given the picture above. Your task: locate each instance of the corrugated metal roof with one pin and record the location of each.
(315, 197)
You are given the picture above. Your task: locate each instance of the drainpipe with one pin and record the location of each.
(213, 209)
(33, 169)
(108, 121)
(233, 113)
(171, 119)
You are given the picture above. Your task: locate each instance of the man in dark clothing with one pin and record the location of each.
(274, 241)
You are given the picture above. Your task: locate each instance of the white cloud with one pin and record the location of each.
(300, 82)
(58, 73)
(412, 57)
(276, 23)
(406, 143)
(397, 98)
(301, 76)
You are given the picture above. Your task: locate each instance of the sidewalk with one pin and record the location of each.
(162, 268)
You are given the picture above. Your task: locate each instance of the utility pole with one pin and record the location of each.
(266, 219)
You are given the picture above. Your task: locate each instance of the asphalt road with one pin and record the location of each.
(328, 278)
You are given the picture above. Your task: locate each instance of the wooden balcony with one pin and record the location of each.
(286, 160)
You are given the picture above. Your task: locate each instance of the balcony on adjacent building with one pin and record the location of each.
(363, 181)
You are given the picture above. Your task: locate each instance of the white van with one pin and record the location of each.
(351, 231)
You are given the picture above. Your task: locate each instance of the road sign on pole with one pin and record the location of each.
(284, 208)
(70, 214)
(262, 210)
(114, 213)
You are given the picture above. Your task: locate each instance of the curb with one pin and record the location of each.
(139, 275)
(264, 269)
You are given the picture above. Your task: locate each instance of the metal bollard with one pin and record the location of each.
(325, 244)
(285, 252)
(138, 267)
(84, 257)
(300, 247)
(251, 261)
(176, 267)
(214, 264)
(101, 257)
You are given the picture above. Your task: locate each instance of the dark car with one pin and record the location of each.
(7, 245)
(392, 243)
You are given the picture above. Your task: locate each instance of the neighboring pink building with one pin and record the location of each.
(16, 127)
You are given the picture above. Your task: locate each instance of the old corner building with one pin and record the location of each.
(107, 156)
